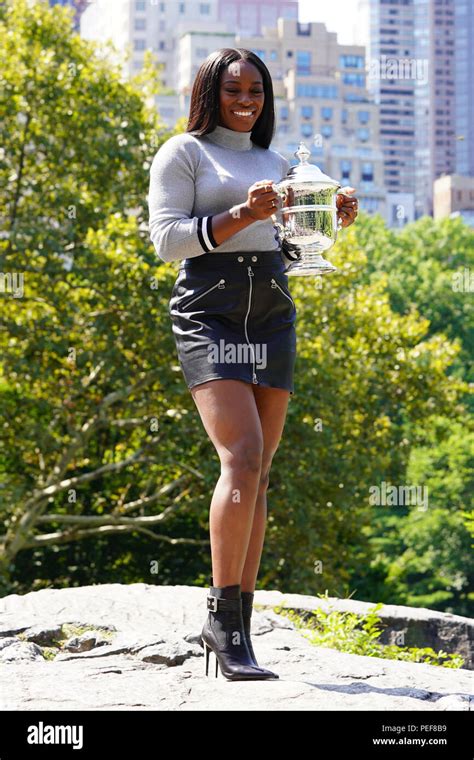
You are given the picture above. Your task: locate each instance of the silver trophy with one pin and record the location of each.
(309, 214)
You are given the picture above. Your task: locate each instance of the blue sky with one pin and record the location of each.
(339, 16)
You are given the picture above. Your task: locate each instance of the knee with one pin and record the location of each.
(264, 476)
(245, 457)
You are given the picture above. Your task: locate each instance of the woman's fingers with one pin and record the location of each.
(347, 216)
(347, 206)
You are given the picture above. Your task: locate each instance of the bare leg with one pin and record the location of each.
(229, 413)
(272, 405)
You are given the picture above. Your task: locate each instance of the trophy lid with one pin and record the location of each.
(305, 172)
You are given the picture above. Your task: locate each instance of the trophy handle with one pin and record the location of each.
(277, 188)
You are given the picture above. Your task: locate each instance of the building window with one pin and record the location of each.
(139, 24)
(306, 130)
(344, 115)
(139, 44)
(363, 117)
(326, 112)
(326, 91)
(354, 80)
(204, 9)
(351, 61)
(273, 55)
(162, 7)
(303, 62)
(140, 5)
(284, 112)
(346, 167)
(303, 29)
(289, 54)
(182, 7)
(363, 134)
(161, 45)
(307, 112)
(367, 172)
(260, 53)
(162, 26)
(326, 130)
(369, 204)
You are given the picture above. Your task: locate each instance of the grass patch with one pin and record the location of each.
(360, 634)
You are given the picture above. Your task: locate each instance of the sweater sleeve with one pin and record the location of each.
(174, 232)
(285, 165)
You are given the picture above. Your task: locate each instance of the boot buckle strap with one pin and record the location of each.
(217, 603)
(212, 603)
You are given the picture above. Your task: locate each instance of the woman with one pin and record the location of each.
(233, 318)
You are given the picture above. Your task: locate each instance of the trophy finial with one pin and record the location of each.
(303, 153)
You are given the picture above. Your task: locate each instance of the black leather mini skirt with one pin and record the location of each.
(233, 318)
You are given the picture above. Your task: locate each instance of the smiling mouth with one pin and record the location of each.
(244, 114)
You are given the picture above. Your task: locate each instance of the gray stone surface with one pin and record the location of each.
(138, 647)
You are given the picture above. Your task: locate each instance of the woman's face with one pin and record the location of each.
(241, 96)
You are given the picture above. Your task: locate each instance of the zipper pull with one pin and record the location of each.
(254, 379)
(221, 284)
(250, 271)
(273, 283)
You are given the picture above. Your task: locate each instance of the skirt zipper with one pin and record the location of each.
(276, 285)
(250, 274)
(219, 284)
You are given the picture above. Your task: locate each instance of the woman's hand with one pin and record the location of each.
(347, 207)
(262, 200)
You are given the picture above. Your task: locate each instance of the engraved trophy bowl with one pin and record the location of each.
(309, 214)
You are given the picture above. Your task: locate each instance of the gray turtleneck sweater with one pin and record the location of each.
(192, 178)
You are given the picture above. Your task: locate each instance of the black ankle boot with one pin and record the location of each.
(223, 633)
(247, 609)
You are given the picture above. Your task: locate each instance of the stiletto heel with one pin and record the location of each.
(206, 652)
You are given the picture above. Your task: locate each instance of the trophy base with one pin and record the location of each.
(311, 264)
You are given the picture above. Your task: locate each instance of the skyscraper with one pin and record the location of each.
(422, 79)
(391, 81)
(464, 86)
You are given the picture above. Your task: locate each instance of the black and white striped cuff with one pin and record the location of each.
(204, 232)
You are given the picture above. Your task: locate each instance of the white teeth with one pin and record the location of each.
(243, 113)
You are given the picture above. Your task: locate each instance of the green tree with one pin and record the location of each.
(430, 267)
(83, 347)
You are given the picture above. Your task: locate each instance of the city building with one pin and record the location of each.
(391, 75)
(420, 75)
(464, 86)
(135, 26)
(250, 17)
(454, 196)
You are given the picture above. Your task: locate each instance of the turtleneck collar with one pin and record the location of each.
(230, 138)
